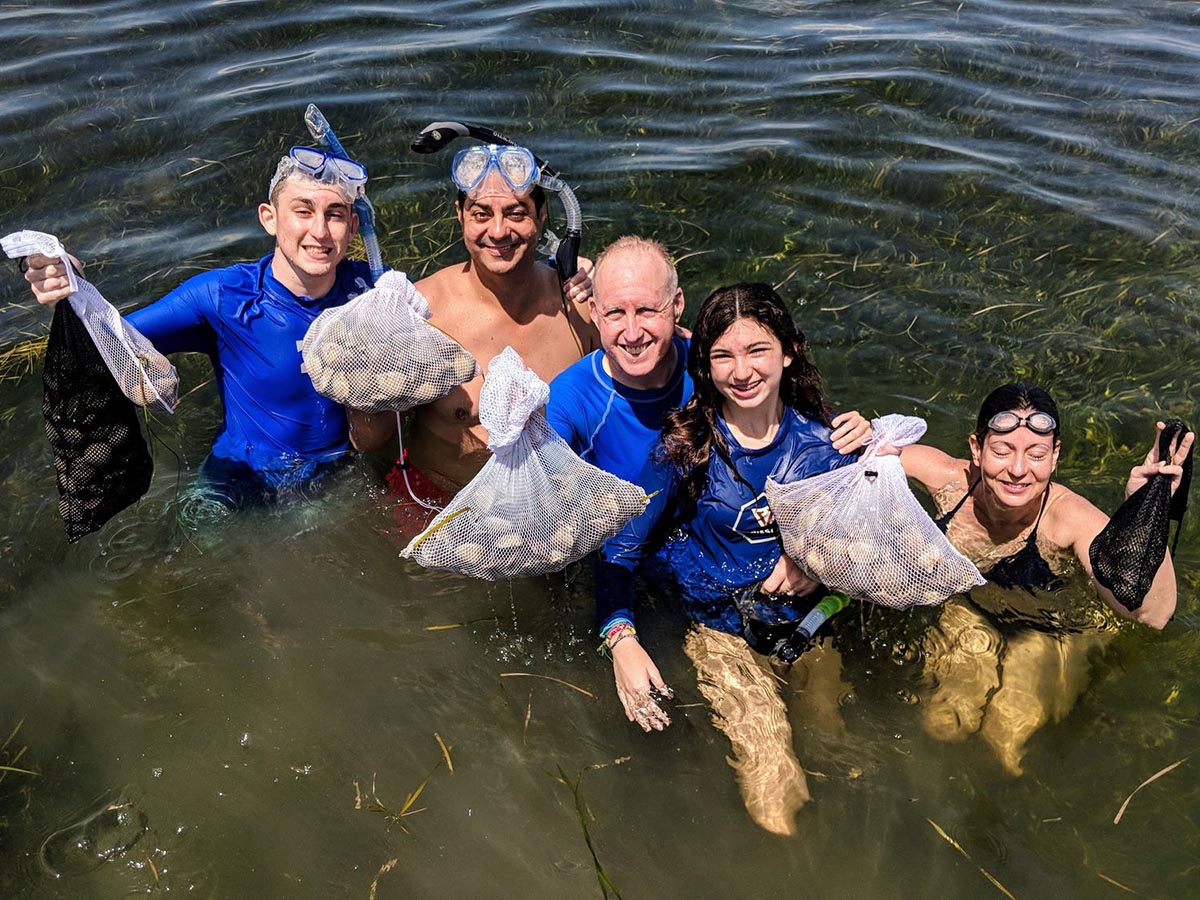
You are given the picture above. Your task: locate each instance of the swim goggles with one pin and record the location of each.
(1038, 422)
(321, 165)
(516, 166)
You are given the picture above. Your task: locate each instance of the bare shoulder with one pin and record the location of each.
(443, 285)
(1071, 518)
(931, 467)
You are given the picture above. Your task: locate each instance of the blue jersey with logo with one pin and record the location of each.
(276, 424)
(609, 425)
(731, 541)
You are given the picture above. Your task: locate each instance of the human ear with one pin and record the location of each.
(266, 218)
(977, 450)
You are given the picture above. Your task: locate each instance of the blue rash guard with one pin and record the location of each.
(277, 430)
(609, 425)
(731, 541)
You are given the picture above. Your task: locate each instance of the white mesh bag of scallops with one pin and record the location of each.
(378, 352)
(535, 507)
(860, 530)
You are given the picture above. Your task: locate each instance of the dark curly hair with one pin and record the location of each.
(690, 435)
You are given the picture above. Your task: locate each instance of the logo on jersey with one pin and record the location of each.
(755, 522)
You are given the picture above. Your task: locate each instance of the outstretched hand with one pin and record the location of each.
(47, 277)
(640, 686)
(1151, 466)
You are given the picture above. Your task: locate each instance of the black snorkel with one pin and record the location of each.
(435, 136)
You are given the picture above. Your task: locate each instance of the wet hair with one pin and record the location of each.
(537, 193)
(287, 172)
(1014, 396)
(690, 434)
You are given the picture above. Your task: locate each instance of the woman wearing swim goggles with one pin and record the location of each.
(515, 165)
(1037, 422)
(1014, 654)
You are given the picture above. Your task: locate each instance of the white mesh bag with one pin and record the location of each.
(143, 374)
(860, 530)
(378, 352)
(535, 506)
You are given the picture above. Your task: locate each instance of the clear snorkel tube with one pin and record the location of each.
(435, 136)
(322, 133)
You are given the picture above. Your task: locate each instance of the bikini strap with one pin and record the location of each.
(1032, 539)
(943, 521)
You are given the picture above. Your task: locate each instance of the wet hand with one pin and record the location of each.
(788, 578)
(850, 432)
(640, 687)
(1151, 466)
(47, 277)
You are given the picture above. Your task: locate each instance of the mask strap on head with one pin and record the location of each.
(436, 135)
(329, 177)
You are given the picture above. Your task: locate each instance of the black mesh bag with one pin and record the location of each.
(1127, 553)
(100, 457)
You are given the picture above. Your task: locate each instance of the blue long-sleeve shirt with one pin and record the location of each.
(609, 425)
(248, 324)
(730, 542)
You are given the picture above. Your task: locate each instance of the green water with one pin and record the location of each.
(953, 194)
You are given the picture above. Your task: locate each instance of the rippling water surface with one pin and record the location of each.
(953, 194)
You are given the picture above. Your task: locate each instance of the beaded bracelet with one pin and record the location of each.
(619, 631)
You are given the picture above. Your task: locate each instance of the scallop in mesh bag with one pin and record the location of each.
(142, 374)
(378, 352)
(860, 530)
(535, 507)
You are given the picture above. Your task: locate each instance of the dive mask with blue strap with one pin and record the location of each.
(339, 172)
(516, 165)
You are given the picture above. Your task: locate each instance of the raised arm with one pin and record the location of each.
(47, 277)
(930, 467)
(1159, 604)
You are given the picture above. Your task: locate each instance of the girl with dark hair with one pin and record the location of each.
(757, 411)
(1013, 655)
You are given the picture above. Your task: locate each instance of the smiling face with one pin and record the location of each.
(636, 303)
(1015, 467)
(500, 229)
(747, 363)
(313, 225)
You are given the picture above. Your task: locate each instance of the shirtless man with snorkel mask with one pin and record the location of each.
(501, 296)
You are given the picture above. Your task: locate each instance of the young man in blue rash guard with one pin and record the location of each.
(279, 435)
(610, 405)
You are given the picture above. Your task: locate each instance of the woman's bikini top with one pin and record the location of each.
(1026, 568)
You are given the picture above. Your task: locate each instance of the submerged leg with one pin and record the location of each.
(818, 686)
(1043, 676)
(962, 663)
(747, 708)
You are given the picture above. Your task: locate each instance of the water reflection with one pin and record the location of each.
(953, 194)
